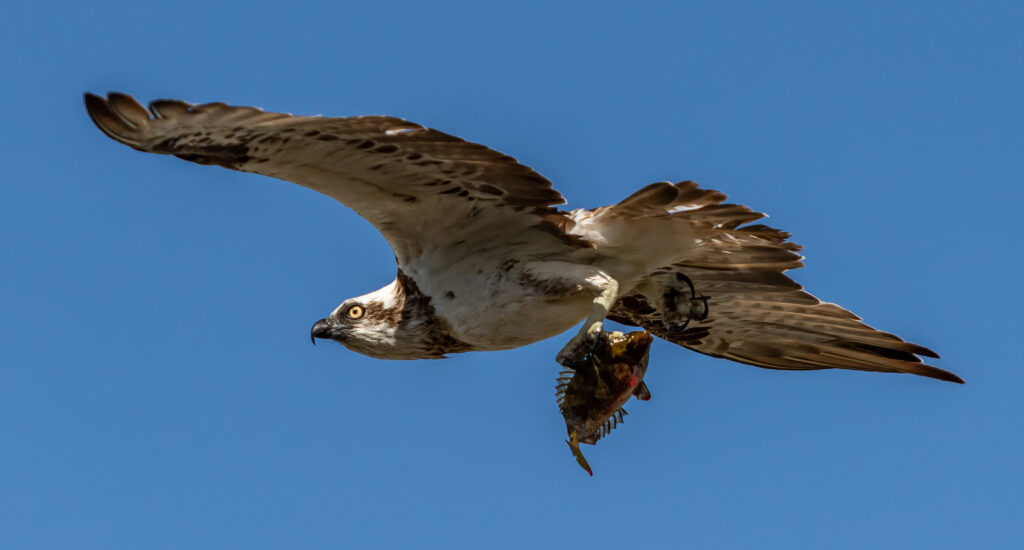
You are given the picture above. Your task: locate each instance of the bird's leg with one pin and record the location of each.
(582, 344)
(680, 303)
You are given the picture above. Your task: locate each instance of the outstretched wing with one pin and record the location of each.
(423, 189)
(758, 315)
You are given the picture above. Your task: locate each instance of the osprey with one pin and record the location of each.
(486, 261)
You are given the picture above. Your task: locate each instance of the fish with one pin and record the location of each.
(591, 396)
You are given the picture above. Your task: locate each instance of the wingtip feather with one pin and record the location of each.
(112, 123)
(940, 374)
(168, 108)
(128, 109)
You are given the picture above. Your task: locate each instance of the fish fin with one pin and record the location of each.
(642, 392)
(574, 446)
(562, 385)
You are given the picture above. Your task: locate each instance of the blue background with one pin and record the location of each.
(158, 389)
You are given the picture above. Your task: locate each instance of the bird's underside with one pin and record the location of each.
(486, 261)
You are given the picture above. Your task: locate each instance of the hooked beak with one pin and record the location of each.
(321, 329)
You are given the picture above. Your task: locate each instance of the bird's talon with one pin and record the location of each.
(689, 282)
(575, 365)
(678, 327)
(704, 301)
(678, 309)
(578, 351)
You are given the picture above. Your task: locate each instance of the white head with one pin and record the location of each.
(394, 322)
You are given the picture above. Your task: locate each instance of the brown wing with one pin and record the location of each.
(420, 187)
(758, 315)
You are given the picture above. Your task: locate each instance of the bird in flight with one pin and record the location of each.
(486, 261)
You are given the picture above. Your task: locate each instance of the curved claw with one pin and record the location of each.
(682, 277)
(698, 308)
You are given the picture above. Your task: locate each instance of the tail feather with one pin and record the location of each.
(757, 315)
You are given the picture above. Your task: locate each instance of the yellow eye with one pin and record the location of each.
(356, 312)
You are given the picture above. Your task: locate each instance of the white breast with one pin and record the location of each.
(490, 305)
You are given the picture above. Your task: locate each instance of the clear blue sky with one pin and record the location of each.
(157, 385)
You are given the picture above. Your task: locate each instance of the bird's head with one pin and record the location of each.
(394, 322)
(367, 324)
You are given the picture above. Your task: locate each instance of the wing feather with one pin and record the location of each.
(420, 187)
(757, 314)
